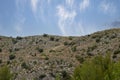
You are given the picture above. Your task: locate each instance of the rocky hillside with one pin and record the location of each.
(43, 57)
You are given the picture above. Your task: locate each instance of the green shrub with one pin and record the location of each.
(11, 56)
(52, 51)
(0, 61)
(39, 49)
(45, 35)
(5, 73)
(52, 38)
(42, 76)
(65, 43)
(19, 38)
(70, 37)
(57, 77)
(10, 50)
(97, 40)
(46, 58)
(117, 51)
(14, 41)
(91, 48)
(57, 40)
(0, 50)
(79, 58)
(16, 49)
(99, 68)
(73, 48)
(65, 76)
(34, 62)
(25, 66)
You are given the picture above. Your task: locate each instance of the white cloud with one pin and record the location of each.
(80, 29)
(20, 4)
(19, 16)
(65, 14)
(67, 23)
(34, 4)
(70, 2)
(48, 1)
(107, 7)
(84, 4)
(65, 17)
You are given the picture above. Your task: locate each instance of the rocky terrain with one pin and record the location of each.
(43, 57)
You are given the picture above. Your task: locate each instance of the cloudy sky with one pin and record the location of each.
(57, 17)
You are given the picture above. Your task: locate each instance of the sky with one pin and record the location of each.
(57, 17)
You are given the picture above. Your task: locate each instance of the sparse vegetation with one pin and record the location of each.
(51, 55)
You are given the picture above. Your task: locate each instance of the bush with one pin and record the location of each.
(52, 38)
(14, 41)
(0, 61)
(66, 43)
(70, 37)
(99, 68)
(0, 50)
(5, 73)
(11, 56)
(45, 35)
(65, 75)
(91, 48)
(57, 77)
(73, 48)
(16, 49)
(46, 58)
(25, 66)
(117, 51)
(19, 38)
(39, 49)
(97, 40)
(42, 76)
(79, 58)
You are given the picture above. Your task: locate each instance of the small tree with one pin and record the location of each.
(99, 68)
(5, 73)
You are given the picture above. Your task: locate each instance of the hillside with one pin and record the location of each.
(43, 57)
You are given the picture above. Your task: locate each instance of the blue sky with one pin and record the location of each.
(57, 17)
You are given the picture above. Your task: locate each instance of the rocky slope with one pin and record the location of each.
(43, 57)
